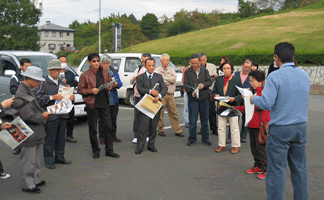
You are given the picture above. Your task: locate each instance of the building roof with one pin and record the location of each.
(53, 27)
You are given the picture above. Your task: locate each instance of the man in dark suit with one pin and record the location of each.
(244, 76)
(145, 84)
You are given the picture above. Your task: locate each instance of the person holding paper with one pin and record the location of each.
(70, 80)
(97, 104)
(226, 86)
(114, 101)
(35, 117)
(197, 82)
(244, 76)
(3, 105)
(146, 85)
(258, 151)
(140, 70)
(169, 76)
(286, 94)
(56, 124)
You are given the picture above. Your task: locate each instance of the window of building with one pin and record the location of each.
(46, 33)
(61, 34)
(68, 33)
(51, 46)
(68, 45)
(53, 34)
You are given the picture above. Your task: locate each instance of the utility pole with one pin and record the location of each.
(99, 26)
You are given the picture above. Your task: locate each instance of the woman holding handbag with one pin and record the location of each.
(257, 128)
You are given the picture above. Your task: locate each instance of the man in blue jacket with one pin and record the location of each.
(285, 94)
(114, 101)
(244, 76)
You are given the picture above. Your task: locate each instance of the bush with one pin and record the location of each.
(262, 57)
(63, 53)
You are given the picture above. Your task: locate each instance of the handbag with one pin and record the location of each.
(263, 129)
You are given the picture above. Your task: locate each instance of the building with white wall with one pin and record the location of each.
(53, 37)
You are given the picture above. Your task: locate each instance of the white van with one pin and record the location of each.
(126, 63)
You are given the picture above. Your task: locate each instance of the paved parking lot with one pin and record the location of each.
(176, 171)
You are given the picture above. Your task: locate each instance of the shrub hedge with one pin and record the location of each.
(263, 58)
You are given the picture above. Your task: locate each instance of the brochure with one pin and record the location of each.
(147, 112)
(16, 134)
(66, 92)
(249, 108)
(104, 86)
(60, 107)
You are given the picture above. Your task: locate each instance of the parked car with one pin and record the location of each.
(126, 63)
(9, 65)
(72, 49)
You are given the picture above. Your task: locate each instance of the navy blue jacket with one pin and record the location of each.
(246, 83)
(15, 81)
(113, 93)
(48, 88)
(70, 79)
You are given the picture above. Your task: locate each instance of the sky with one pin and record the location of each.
(63, 12)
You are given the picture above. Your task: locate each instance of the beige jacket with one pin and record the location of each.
(169, 76)
(212, 70)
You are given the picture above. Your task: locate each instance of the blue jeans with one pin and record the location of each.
(185, 109)
(286, 142)
(202, 108)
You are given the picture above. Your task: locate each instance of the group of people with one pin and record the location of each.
(281, 100)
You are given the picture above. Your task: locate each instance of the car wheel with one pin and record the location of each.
(131, 99)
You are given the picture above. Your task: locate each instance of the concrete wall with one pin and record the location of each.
(57, 40)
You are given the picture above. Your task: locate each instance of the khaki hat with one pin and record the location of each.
(54, 64)
(33, 72)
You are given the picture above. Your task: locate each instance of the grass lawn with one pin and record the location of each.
(304, 28)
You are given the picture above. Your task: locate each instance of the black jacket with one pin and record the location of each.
(143, 86)
(191, 81)
(232, 91)
(15, 81)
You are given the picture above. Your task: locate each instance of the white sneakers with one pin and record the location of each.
(135, 140)
(4, 175)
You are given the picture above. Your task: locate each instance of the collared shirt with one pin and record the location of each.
(243, 77)
(148, 74)
(52, 79)
(285, 94)
(197, 72)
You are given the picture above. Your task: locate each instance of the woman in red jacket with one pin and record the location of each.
(259, 152)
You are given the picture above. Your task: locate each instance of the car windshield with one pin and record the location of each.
(158, 63)
(41, 61)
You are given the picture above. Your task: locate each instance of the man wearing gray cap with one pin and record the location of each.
(56, 124)
(35, 117)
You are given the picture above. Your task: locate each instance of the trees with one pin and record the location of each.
(246, 9)
(18, 30)
(179, 26)
(150, 26)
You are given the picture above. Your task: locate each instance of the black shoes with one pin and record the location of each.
(215, 132)
(137, 151)
(40, 184)
(207, 143)
(16, 151)
(190, 143)
(96, 155)
(66, 162)
(34, 190)
(50, 166)
(152, 149)
(199, 133)
(112, 154)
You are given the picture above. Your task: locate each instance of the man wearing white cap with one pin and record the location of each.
(35, 117)
(56, 124)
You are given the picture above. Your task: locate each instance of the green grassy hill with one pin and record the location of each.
(303, 27)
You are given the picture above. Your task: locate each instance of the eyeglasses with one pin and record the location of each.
(94, 61)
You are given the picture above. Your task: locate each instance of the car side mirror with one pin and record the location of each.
(9, 73)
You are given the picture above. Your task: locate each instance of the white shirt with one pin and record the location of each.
(148, 74)
(52, 79)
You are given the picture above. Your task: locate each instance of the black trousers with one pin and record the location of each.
(113, 115)
(93, 115)
(147, 128)
(212, 116)
(136, 117)
(258, 151)
(70, 124)
(1, 167)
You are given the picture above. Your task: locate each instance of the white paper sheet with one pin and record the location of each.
(143, 110)
(249, 108)
(222, 98)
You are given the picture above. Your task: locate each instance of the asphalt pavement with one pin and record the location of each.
(176, 171)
